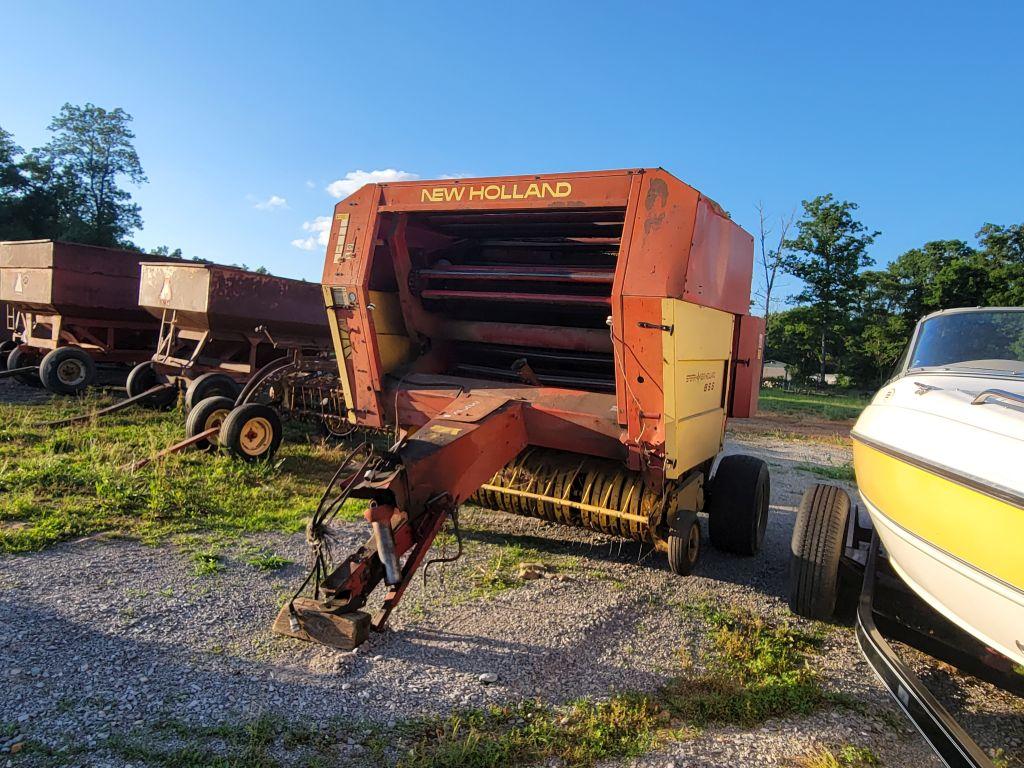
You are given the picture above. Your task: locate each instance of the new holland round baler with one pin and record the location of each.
(562, 346)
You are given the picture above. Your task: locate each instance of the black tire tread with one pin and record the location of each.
(731, 502)
(210, 384)
(817, 547)
(231, 430)
(52, 360)
(198, 415)
(678, 562)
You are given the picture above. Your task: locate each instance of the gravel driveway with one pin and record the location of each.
(105, 638)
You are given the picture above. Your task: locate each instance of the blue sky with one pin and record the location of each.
(912, 110)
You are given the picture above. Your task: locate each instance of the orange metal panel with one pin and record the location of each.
(721, 261)
(606, 189)
(747, 358)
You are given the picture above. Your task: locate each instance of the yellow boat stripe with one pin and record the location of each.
(967, 522)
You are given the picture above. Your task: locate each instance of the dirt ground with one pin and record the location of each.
(107, 640)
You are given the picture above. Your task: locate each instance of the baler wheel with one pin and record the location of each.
(142, 377)
(684, 544)
(251, 432)
(67, 370)
(207, 414)
(20, 357)
(738, 504)
(212, 384)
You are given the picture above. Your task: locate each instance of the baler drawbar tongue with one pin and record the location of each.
(412, 490)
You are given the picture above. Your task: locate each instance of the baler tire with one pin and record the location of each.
(210, 384)
(142, 377)
(67, 370)
(20, 358)
(251, 432)
(208, 413)
(816, 550)
(738, 504)
(684, 544)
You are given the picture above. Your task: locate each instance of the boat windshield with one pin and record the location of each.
(972, 342)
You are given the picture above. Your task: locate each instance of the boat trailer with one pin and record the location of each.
(887, 610)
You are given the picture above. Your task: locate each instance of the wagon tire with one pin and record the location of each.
(6, 347)
(211, 384)
(817, 547)
(144, 376)
(207, 414)
(738, 504)
(684, 544)
(67, 370)
(19, 357)
(251, 432)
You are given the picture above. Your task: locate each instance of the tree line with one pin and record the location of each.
(855, 321)
(72, 188)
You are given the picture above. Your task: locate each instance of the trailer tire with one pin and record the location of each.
(817, 547)
(142, 377)
(208, 413)
(19, 357)
(211, 384)
(684, 544)
(67, 370)
(251, 432)
(738, 504)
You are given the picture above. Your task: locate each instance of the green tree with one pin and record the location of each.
(827, 254)
(93, 147)
(1003, 251)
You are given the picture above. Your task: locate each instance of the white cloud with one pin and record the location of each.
(320, 233)
(453, 176)
(272, 203)
(353, 180)
(310, 184)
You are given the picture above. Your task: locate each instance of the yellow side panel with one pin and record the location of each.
(342, 350)
(979, 529)
(696, 356)
(394, 345)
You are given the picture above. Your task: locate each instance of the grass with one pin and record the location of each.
(501, 571)
(268, 561)
(70, 482)
(840, 406)
(843, 472)
(753, 671)
(847, 756)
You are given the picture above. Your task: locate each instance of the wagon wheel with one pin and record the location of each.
(251, 432)
(67, 370)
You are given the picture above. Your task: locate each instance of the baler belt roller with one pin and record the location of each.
(585, 492)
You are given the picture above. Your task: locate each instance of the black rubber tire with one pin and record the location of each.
(251, 432)
(20, 357)
(684, 544)
(211, 384)
(206, 414)
(817, 546)
(738, 504)
(6, 347)
(142, 377)
(67, 370)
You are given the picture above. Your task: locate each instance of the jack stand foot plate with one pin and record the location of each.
(319, 625)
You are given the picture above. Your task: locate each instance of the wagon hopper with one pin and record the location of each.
(72, 307)
(566, 347)
(243, 346)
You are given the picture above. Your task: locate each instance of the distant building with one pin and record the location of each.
(775, 371)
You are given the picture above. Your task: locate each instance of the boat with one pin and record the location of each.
(939, 460)
(937, 548)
